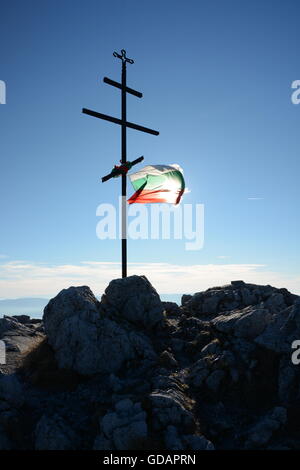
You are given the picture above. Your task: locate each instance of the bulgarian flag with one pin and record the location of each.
(157, 183)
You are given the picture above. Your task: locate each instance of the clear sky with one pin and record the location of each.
(216, 78)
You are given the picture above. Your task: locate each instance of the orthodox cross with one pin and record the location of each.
(125, 165)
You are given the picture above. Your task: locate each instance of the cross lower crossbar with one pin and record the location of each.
(115, 173)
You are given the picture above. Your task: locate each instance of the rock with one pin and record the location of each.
(262, 432)
(22, 318)
(199, 372)
(169, 408)
(287, 381)
(210, 304)
(124, 406)
(11, 390)
(238, 283)
(115, 383)
(282, 330)
(85, 340)
(130, 436)
(214, 380)
(101, 443)
(53, 433)
(195, 442)
(185, 299)
(5, 443)
(125, 426)
(188, 378)
(247, 323)
(167, 360)
(171, 309)
(226, 323)
(219, 419)
(252, 323)
(172, 440)
(18, 337)
(275, 302)
(134, 299)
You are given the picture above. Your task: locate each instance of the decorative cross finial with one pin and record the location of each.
(123, 57)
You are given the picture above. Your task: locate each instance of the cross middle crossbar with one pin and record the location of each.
(127, 89)
(119, 121)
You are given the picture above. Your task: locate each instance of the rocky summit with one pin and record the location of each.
(133, 372)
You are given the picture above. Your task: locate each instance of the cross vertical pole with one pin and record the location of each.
(124, 178)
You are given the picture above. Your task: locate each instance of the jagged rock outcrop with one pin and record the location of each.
(91, 337)
(213, 373)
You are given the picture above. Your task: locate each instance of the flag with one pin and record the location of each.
(157, 183)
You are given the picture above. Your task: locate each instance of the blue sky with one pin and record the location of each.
(216, 78)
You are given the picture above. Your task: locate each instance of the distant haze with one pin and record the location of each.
(23, 306)
(34, 306)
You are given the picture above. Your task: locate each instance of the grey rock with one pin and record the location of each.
(214, 380)
(282, 330)
(11, 390)
(87, 341)
(53, 433)
(22, 318)
(247, 323)
(134, 299)
(115, 383)
(169, 408)
(238, 283)
(252, 323)
(101, 443)
(185, 298)
(171, 309)
(275, 302)
(126, 426)
(172, 440)
(124, 405)
(199, 372)
(131, 435)
(262, 432)
(226, 323)
(18, 337)
(212, 348)
(167, 360)
(5, 443)
(196, 442)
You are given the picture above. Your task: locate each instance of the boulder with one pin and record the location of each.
(87, 340)
(125, 426)
(247, 323)
(53, 433)
(134, 299)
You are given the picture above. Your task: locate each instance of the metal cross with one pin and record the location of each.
(125, 165)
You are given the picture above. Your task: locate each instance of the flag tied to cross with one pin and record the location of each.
(157, 183)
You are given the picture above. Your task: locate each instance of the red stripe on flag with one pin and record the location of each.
(144, 196)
